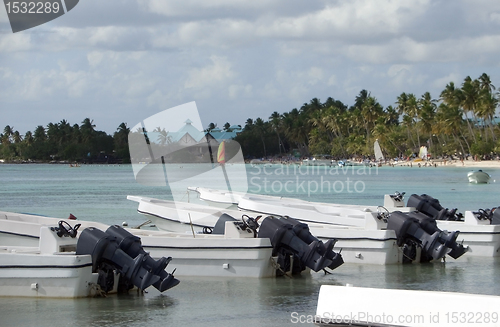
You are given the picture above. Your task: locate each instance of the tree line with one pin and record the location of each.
(460, 122)
(63, 141)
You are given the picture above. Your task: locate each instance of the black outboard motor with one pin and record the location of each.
(431, 207)
(495, 216)
(132, 246)
(302, 231)
(139, 270)
(417, 229)
(292, 238)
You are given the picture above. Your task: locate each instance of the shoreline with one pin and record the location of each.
(455, 164)
(423, 164)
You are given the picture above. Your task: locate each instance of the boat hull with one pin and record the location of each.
(201, 255)
(360, 306)
(25, 274)
(478, 177)
(357, 244)
(482, 238)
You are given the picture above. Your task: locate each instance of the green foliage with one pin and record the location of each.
(482, 147)
(461, 121)
(62, 141)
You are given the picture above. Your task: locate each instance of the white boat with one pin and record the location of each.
(478, 177)
(319, 162)
(369, 242)
(233, 253)
(480, 234)
(64, 265)
(49, 269)
(361, 306)
(358, 245)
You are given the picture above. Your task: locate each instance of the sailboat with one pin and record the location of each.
(379, 157)
(422, 154)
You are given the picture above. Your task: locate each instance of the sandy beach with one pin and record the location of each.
(469, 164)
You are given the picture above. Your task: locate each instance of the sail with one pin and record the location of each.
(423, 152)
(221, 155)
(378, 152)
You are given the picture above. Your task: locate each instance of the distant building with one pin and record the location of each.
(189, 135)
(191, 141)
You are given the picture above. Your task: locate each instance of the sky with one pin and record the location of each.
(117, 61)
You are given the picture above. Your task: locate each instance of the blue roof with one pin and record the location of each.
(194, 133)
(223, 135)
(188, 128)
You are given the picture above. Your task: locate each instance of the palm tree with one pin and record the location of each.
(470, 100)
(39, 135)
(164, 138)
(449, 121)
(260, 128)
(87, 130)
(210, 127)
(486, 111)
(427, 114)
(275, 121)
(28, 138)
(370, 111)
(7, 134)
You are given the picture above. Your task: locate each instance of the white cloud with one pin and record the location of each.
(253, 55)
(14, 42)
(95, 58)
(441, 82)
(216, 74)
(236, 91)
(76, 83)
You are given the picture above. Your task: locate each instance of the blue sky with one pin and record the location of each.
(124, 60)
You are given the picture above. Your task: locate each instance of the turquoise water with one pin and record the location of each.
(99, 193)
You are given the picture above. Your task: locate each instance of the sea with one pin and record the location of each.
(98, 193)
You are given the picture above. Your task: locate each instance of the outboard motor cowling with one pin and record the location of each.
(132, 245)
(140, 269)
(415, 228)
(431, 207)
(292, 238)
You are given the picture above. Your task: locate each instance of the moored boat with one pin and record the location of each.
(371, 241)
(478, 177)
(479, 230)
(234, 252)
(362, 306)
(63, 265)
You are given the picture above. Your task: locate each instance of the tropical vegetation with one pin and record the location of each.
(63, 141)
(460, 122)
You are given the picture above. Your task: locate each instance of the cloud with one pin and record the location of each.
(215, 74)
(120, 58)
(14, 42)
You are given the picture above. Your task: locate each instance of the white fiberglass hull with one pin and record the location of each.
(358, 245)
(478, 177)
(361, 306)
(482, 238)
(202, 255)
(26, 273)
